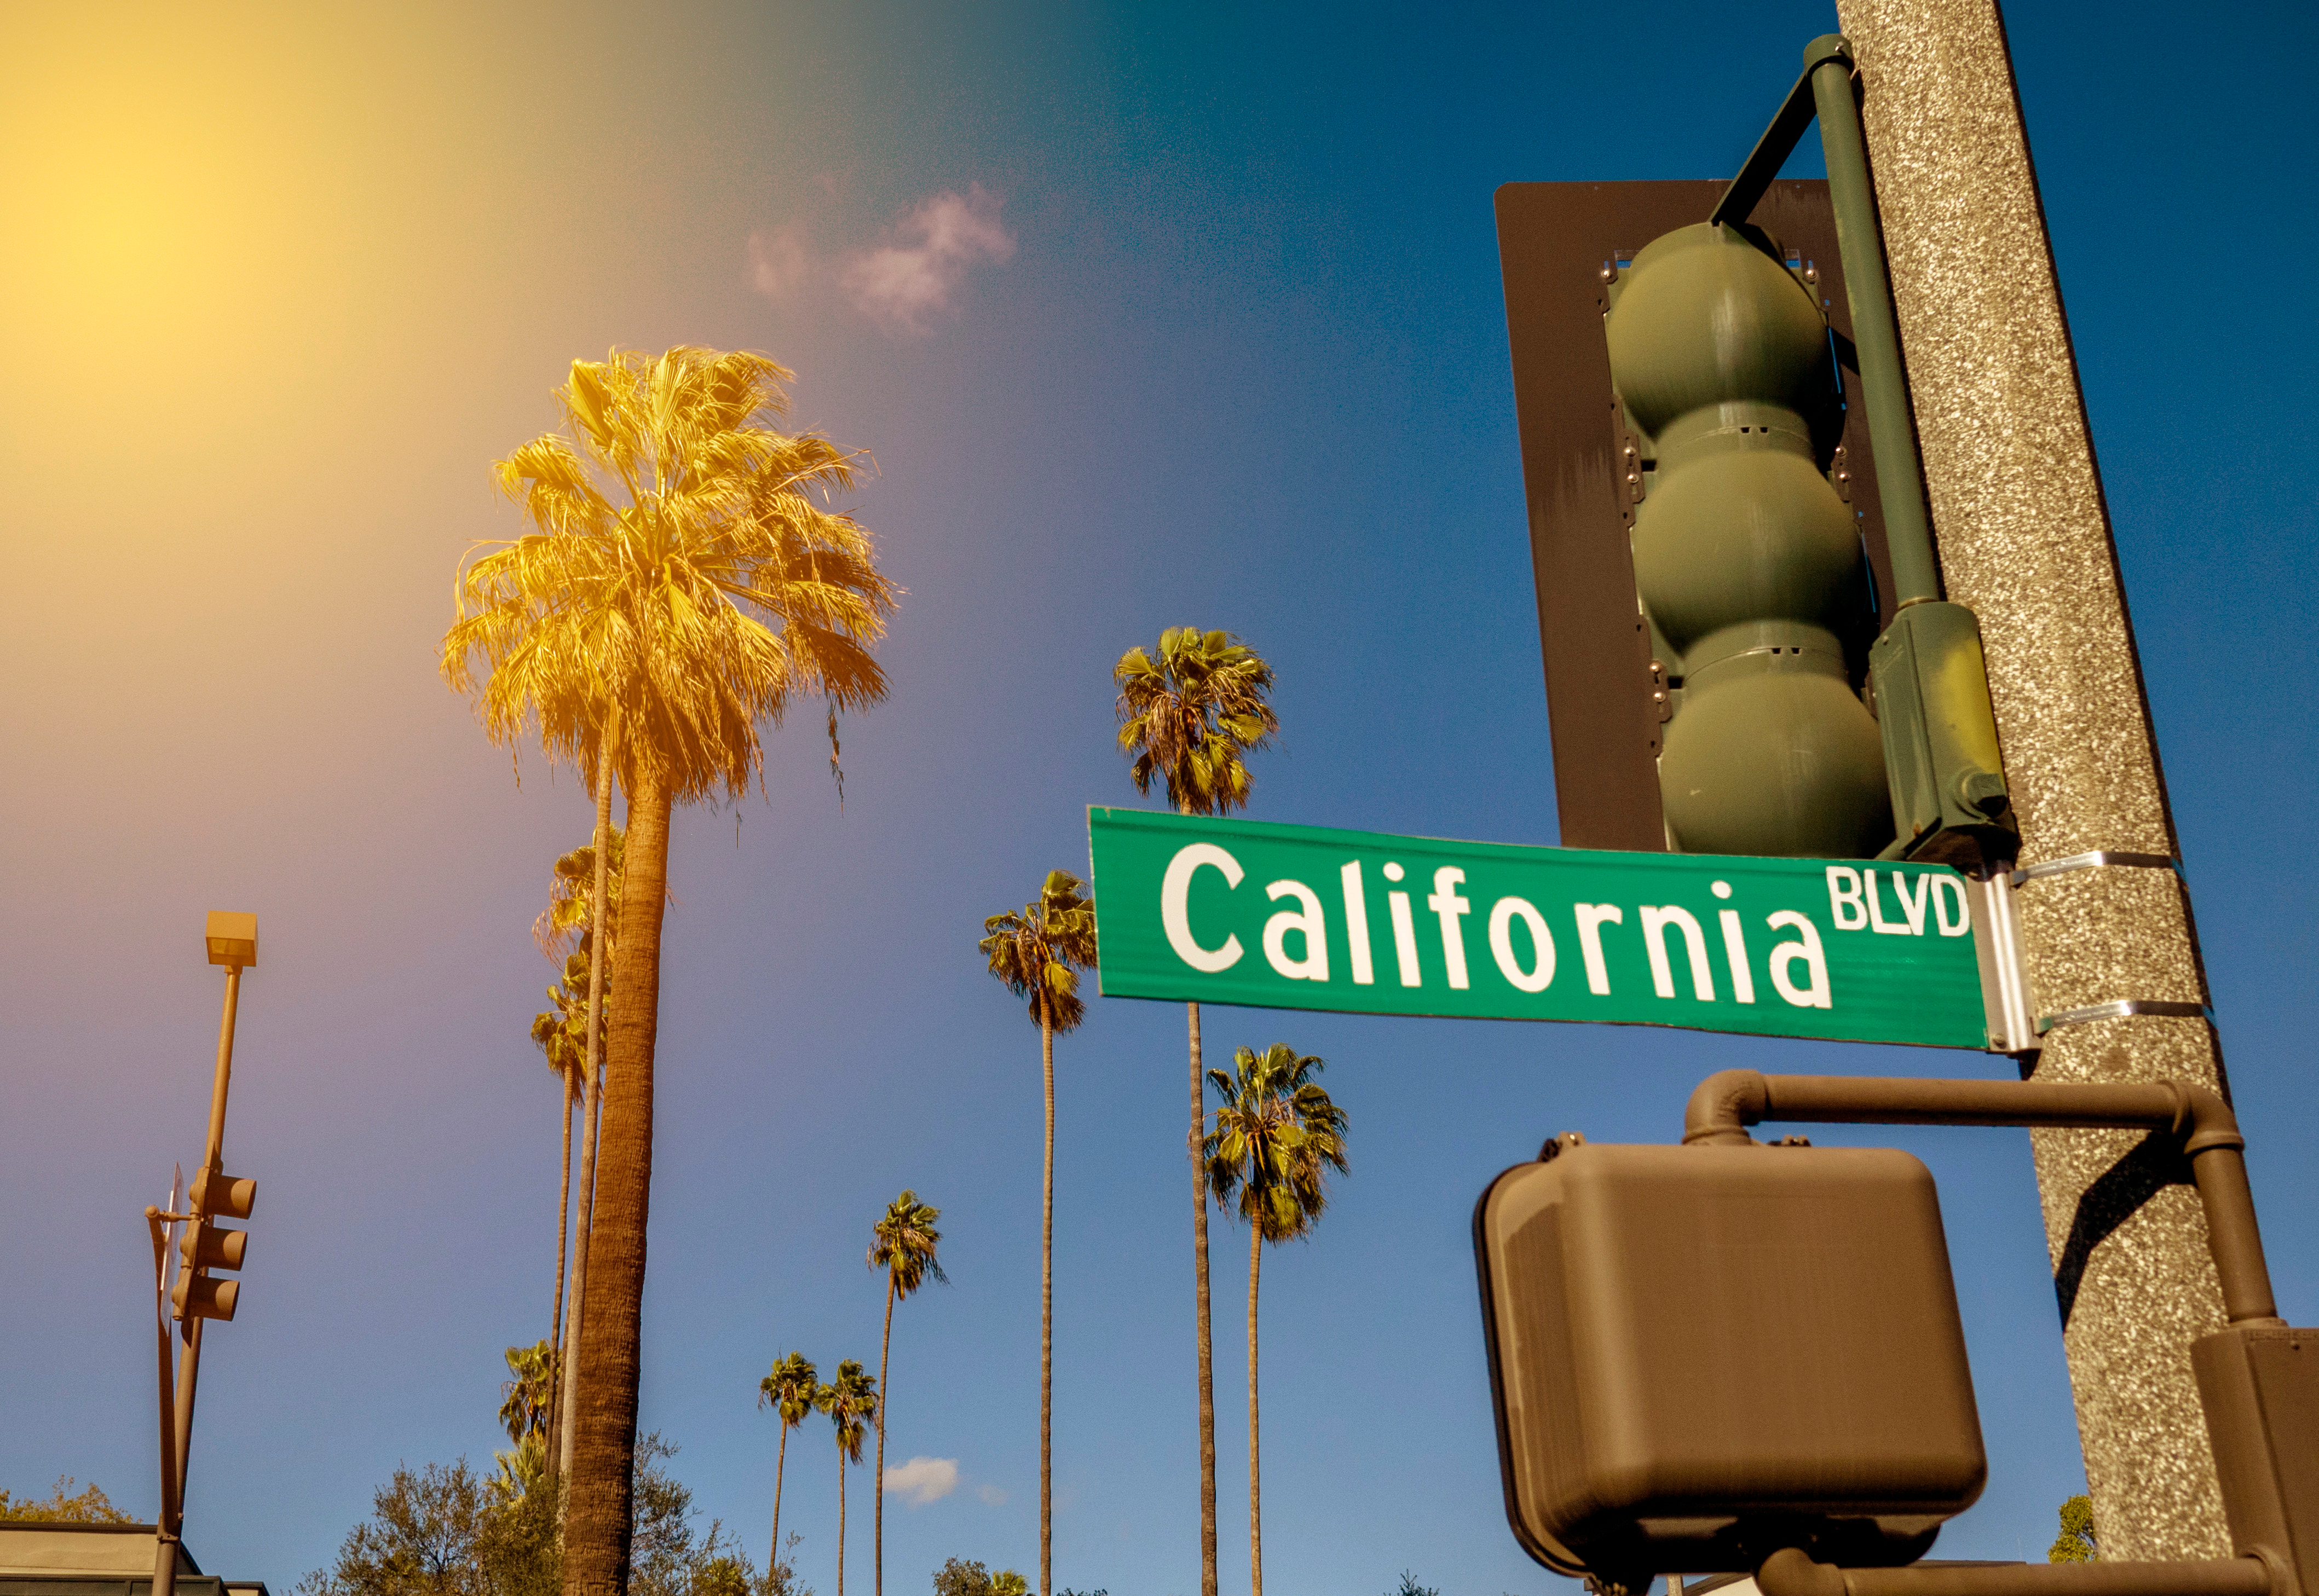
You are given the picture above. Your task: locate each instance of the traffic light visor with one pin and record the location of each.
(224, 1196)
(198, 1296)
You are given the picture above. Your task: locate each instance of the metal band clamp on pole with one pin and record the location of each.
(2098, 860)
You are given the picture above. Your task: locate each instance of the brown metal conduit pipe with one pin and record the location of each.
(1726, 1103)
(1791, 1572)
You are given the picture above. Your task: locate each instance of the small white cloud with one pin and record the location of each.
(923, 1480)
(991, 1494)
(778, 262)
(901, 285)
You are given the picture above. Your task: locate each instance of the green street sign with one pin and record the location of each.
(1295, 916)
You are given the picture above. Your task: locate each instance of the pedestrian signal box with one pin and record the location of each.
(1701, 1355)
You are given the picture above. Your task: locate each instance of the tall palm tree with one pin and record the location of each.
(1188, 718)
(1276, 1136)
(903, 1244)
(553, 1033)
(1037, 950)
(586, 894)
(851, 1400)
(685, 581)
(792, 1389)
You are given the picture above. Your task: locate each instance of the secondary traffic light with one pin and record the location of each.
(213, 1246)
(207, 1246)
(1748, 563)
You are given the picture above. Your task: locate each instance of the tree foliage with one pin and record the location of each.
(789, 1389)
(686, 570)
(1188, 715)
(963, 1577)
(2077, 1543)
(851, 1400)
(1276, 1136)
(668, 1555)
(63, 1505)
(523, 1405)
(904, 1243)
(563, 927)
(1039, 949)
(443, 1531)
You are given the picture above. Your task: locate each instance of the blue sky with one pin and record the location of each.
(1210, 332)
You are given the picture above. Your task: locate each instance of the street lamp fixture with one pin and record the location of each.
(232, 939)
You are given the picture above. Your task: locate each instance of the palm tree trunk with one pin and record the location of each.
(1207, 1349)
(597, 1524)
(549, 1454)
(1047, 1308)
(781, 1463)
(591, 1095)
(841, 1519)
(575, 1313)
(877, 1522)
(1255, 1451)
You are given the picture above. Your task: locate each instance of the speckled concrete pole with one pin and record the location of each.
(2025, 540)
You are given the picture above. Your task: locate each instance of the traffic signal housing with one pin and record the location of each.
(220, 1195)
(1749, 566)
(1617, 696)
(207, 1245)
(1701, 1355)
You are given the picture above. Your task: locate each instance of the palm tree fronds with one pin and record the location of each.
(791, 1390)
(698, 606)
(1037, 949)
(1276, 1139)
(1188, 718)
(904, 1241)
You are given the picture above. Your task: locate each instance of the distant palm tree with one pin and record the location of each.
(1276, 1139)
(553, 1033)
(567, 925)
(1188, 718)
(903, 1245)
(851, 1400)
(523, 1407)
(685, 582)
(1037, 950)
(791, 1390)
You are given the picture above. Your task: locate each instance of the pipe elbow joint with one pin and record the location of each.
(1722, 1107)
(1789, 1572)
(2204, 1121)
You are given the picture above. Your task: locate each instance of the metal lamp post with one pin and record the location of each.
(232, 941)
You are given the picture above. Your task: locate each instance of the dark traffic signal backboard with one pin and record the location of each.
(1562, 248)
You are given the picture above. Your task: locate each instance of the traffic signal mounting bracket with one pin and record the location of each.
(1930, 688)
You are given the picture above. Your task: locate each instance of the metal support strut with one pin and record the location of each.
(1725, 1104)
(2202, 1125)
